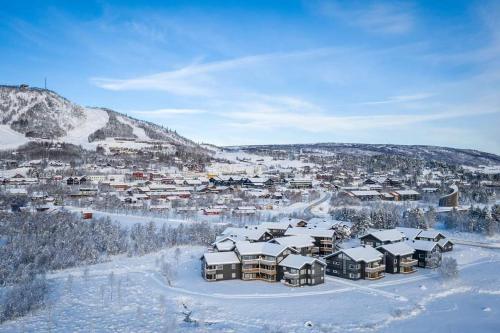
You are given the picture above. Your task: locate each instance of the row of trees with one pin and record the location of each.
(35, 243)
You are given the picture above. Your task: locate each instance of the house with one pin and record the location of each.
(259, 261)
(430, 235)
(446, 245)
(296, 271)
(218, 266)
(382, 237)
(364, 195)
(323, 238)
(398, 258)
(356, 263)
(245, 210)
(403, 195)
(303, 244)
(300, 183)
(427, 253)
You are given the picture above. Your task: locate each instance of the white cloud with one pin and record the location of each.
(400, 99)
(167, 112)
(199, 79)
(373, 17)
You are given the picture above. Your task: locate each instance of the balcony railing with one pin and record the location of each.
(408, 263)
(326, 241)
(291, 275)
(374, 269)
(251, 270)
(250, 261)
(268, 271)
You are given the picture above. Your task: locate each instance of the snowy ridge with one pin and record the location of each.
(28, 114)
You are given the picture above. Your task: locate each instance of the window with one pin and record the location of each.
(218, 267)
(233, 266)
(421, 255)
(233, 275)
(220, 276)
(395, 261)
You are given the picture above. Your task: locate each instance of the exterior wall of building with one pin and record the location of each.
(344, 267)
(220, 272)
(309, 275)
(425, 258)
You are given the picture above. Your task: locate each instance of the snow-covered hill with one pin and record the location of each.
(33, 114)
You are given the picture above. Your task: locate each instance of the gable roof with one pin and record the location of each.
(429, 233)
(221, 258)
(360, 253)
(311, 232)
(269, 249)
(245, 233)
(389, 235)
(398, 249)
(297, 241)
(298, 261)
(275, 225)
(423, 245)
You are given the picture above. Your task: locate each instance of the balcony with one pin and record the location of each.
(250, 261)
(268, 271)
(210, 270)
(374, 269)
(268, 261)
(251, 270)
(290, 275)
(326, 241)
(374, 276)
(408, 263)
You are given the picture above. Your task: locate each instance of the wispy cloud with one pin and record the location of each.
(400, 99)
(373, 17)
(167, 112)
(197, 79)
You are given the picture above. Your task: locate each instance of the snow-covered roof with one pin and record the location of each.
(361, 253)
(245, 233)
(444, 241)
(422, 245)
(298, 241)
(398, 249)
(429, 233)
(221, 258)
(275, 225)
(270, 249)
(311, 232)
(409, 233)
(298, 261)
(225, 245)
(406, 192)
(389, 235)
(365, 193)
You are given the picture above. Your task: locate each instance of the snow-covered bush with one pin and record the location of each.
(448, 268)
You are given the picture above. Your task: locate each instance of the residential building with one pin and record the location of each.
(363, 262)
(216, 266)
(297, 270)
(398, 258)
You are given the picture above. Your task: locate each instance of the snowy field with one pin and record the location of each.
(130, 295)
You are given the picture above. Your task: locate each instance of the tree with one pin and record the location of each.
(448, 268)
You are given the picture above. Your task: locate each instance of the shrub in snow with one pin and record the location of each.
(23, 298)
(448, 268)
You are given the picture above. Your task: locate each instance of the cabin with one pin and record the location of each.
(446, 245)
(398, 258)
(217, 266)
(297, 271)
(363, 262)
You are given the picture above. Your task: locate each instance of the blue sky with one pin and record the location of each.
(256, 72)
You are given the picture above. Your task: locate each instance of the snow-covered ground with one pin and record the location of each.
(130, 295)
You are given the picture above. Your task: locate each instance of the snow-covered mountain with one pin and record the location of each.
(33, 114)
